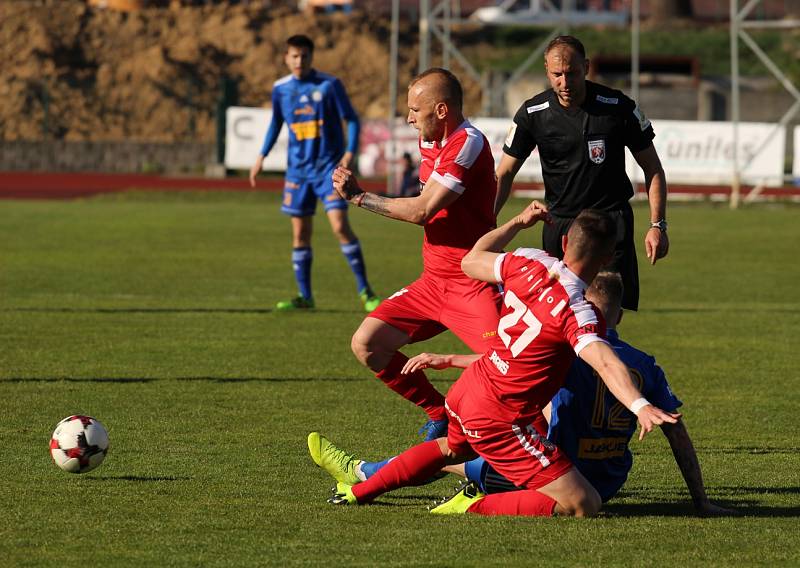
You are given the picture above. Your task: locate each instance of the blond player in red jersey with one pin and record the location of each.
(455, 207)
(496, 405)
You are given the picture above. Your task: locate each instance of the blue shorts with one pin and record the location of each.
(300, 195)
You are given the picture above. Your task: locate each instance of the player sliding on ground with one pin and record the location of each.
(495, 407)
(585, 421)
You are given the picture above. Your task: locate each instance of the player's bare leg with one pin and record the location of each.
(340, 225)
(573, 494)
(302, 227)
(375, 342)
(376, 345)
(351, 249)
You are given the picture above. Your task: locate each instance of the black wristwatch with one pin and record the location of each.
(661, 225)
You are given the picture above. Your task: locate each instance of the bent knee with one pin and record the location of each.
(362, 347)
(370, 352)
(584, 505)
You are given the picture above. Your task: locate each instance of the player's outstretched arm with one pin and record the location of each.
(418, 210)
(686, 458)
(479, 262)
(438, 362)
(617, 378)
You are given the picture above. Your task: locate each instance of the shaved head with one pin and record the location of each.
(593, 233)
(434, 104)
(439, 85)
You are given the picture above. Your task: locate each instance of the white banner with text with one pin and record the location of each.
(691, 152)
(245, 128)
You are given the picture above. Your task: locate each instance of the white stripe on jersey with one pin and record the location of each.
(536, 254)
(448, 180)
(583, 311)
(608, 100)
(559, 306)
(537, 108)
(573, 286)
(527, 444)
(471, 149)
(498, 265)
(544, 293)
(584, 314)
(587, 339)
(534, 285)
(283, 80)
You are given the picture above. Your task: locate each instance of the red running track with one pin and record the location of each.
(36, 185)
(63, 185)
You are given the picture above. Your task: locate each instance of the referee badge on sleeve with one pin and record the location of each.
(510, 135)
(597, 151)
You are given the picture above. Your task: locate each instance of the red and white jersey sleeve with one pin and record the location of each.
(428, 151)
(459, 154)
(463, 164)
(544, 322)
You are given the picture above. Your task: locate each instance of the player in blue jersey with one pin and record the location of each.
(586, 421)
(314, 104)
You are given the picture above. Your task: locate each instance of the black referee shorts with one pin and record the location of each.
(624, 252)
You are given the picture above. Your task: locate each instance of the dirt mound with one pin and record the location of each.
(75, 72)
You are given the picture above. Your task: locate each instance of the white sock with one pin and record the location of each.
(360, 474)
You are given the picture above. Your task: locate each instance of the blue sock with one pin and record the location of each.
(475, 470)
(479, 471)
(371, 468)
(301, 263)
(352, 253)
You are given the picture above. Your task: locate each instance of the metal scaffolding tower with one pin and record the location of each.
(739, 26)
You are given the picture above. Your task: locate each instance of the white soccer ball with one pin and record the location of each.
(79, 444)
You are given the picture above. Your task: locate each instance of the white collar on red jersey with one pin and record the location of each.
(559, 266)
(463, 125)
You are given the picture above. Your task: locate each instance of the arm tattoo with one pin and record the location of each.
(686, 458)
(376, 204)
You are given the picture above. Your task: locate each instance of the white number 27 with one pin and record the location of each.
(521, 312)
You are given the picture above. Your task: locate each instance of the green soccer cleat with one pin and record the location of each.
(466, 495)
(298, 303)
(339, 464)
(369, 299)
(342, 494)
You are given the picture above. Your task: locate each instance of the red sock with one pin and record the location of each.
(528, 502)
(414, 387)
(412, 467)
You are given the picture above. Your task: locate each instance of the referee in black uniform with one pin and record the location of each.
(581, 129)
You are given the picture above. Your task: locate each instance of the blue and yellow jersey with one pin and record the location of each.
(594, 428)
(313, 108)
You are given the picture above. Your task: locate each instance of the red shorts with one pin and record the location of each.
(430, 305)
(518, 450)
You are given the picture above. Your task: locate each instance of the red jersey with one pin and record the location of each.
(545, 321)
(463, 163)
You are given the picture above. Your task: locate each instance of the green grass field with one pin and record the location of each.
(152, 312)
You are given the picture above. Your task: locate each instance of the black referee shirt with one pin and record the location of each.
(582, 150)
